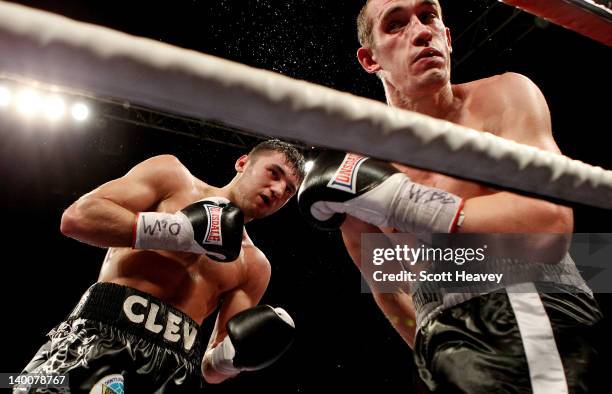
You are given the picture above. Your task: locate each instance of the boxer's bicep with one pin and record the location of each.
(146, 184)
(105, 216)
(526, 119)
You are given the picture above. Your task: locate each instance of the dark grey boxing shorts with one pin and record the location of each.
(118, 340)
(511, 342)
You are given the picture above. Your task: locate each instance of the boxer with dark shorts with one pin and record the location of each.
(114, 332)
(508, 341)
(532, 334)
(177, 251)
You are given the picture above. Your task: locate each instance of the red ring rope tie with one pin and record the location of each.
(590, 18)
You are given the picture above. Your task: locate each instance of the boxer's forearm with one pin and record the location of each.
(399, 310)
(396, 306)
(99, 222)
(549, 226)
(506, 212)
(208, 373)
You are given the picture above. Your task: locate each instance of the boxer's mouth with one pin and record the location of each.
(427, 52)
(265, 199)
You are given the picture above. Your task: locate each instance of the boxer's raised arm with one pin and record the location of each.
(106, 216)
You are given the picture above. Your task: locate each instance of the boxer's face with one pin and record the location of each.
(412, 46)
(267, 182)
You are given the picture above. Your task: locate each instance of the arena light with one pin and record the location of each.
(308, 166)
(5, 96)
(54, 107)
(80, 112)
(28, 102)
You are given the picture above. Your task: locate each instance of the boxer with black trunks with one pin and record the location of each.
(177, 250)
(529, 336)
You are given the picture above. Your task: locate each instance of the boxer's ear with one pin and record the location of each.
(241, 163)
(367, 59)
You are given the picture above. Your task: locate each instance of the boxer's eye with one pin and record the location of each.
(394, 26)
(274, 174)
(427, 17)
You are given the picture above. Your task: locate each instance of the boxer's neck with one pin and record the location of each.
(442, 104)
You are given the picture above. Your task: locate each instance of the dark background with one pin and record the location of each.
(344, 342)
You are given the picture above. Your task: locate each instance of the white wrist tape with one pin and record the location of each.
(402, 204)
(164, 231)
(220, 358)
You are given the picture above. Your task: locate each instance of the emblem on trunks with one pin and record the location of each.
(345, 178)
(171, 327)
(110, 384)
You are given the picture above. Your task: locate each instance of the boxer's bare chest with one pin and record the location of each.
(190, 282)
(462, 188)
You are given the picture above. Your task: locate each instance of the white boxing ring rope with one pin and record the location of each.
(57, 50)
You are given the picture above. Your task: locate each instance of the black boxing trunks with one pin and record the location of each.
(511, 341)
(118, 339)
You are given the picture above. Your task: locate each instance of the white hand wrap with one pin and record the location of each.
(220, 358)
(402, 204)
(165, 231)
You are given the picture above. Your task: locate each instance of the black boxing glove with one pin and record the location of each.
(212, 226)
(374, 192)
(337, 177)
(256, 338)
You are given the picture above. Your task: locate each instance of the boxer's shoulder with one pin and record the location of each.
(165, 173)
(496, 90)
(515, 90)
(165, 163)
(488, 83)
(509, 105)
(523, 113)
(256, 264)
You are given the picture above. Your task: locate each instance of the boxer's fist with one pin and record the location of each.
(377, 193)
(212, 226)
(256, 338)
(217, 227)
(340, 177)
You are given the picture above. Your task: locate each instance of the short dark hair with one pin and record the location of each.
(292, 155)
